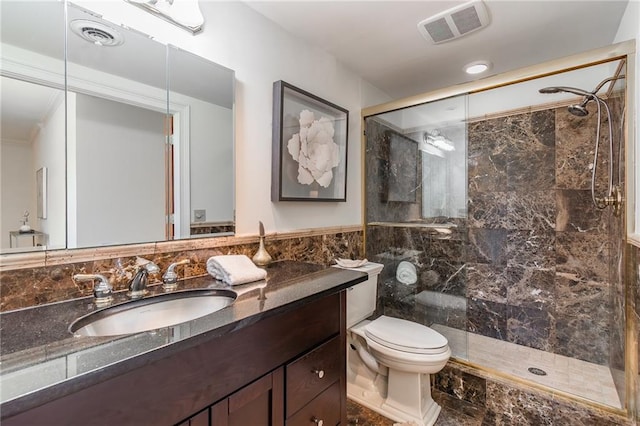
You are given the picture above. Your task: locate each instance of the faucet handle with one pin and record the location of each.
(170, 277)
(150, 266)
(101, 291)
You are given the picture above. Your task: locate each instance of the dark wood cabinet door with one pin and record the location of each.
(260, 403)
(312, 373)
(323, 410)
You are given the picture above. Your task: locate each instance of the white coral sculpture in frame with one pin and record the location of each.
(314, 150)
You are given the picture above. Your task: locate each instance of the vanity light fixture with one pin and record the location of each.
(436, 139)
(183, 13)
(477, 67)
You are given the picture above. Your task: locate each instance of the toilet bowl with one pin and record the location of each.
(389, 360)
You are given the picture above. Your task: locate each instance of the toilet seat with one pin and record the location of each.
(406, 336)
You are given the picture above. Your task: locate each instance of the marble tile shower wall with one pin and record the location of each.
(35, 286)
(531, 264)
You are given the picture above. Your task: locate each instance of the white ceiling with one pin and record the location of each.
(379, 40)
(24, 107)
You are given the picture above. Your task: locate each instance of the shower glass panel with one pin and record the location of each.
(480, 207)
(416, 188)
(547, 301)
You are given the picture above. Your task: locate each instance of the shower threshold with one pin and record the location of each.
(573, 376)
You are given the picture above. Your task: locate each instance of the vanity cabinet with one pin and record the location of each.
(313, 385)
(282, 368)
(257, 404)
(311, 394)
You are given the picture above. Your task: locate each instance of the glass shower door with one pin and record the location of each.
(416, 185)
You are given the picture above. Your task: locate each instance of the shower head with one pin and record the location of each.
(546, 90)
(579, 110)
(559, 89)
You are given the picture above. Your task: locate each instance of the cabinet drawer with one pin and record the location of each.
(312, 373)
(324, 408)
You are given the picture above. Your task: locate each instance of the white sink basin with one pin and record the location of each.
(160, 311)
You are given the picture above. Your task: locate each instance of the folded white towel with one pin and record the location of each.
(406, 273)
(234, 269)
(348, 263)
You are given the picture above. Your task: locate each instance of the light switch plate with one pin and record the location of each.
(199, 215)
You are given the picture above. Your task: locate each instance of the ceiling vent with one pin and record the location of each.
(454, 23)
(96, 32)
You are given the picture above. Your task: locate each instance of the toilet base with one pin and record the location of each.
(409, 396)
(374, 397)
(385, 387)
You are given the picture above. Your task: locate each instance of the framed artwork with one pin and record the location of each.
(41, 192)
(309, 152)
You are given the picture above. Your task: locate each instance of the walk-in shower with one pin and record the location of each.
(613, 195)
(515, 264)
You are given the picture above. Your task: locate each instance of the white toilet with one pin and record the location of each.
(389, 359)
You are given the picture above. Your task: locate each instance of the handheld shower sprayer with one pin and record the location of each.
(579, 110)
(559, 89)
(613, 197)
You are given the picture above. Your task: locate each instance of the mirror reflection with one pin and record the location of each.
(32, 123)
(145, 152)
(201, 126)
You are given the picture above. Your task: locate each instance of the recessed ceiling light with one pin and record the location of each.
(477, 67)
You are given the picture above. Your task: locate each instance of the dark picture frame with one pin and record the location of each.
(309, 146)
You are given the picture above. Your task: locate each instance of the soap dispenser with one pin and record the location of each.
(262, 257)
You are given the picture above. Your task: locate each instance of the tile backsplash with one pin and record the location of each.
(46, 279)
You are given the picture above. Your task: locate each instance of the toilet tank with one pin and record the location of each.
(361, 298)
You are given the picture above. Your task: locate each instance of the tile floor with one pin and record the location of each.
(451, 415)
(574, 376)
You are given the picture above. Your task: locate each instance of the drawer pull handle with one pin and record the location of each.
(317, 421)
(319, 373)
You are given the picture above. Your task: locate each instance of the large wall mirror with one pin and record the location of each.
(108, 136)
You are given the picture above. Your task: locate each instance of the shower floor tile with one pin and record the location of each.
(573, 376)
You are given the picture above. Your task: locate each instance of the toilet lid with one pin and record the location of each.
(406, 336)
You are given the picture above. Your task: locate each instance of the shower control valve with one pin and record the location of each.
(614, 199)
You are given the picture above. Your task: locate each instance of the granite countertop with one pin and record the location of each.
(40, 360)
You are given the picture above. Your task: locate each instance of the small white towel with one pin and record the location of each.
(234, 269)
(348, 263)
(406, 273)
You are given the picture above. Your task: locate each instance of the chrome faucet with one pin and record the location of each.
(138, 285)
(170, 277)
(101, 291)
